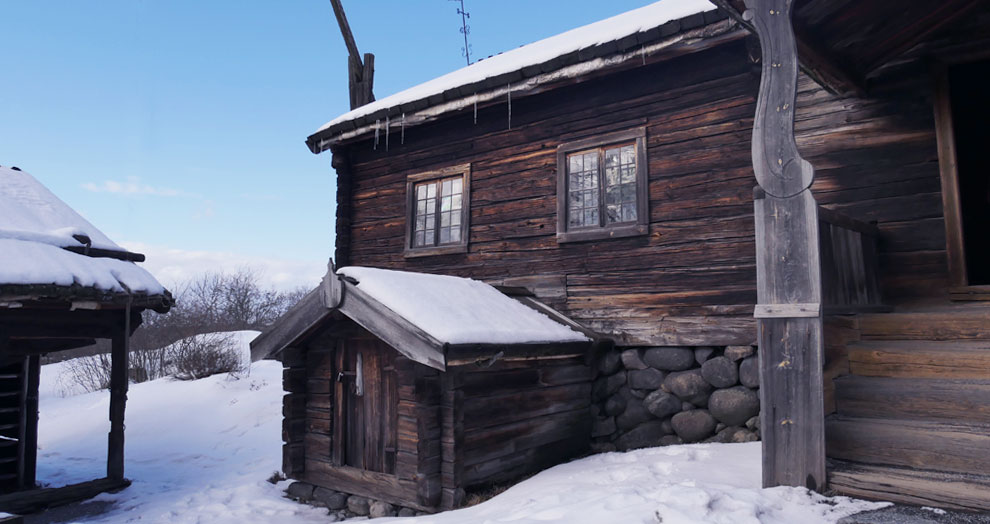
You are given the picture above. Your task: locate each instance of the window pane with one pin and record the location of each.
(629, 212)
(628, 174)
(419, 239)
(431, 190)
(455, 234)
(613, 214)
(629, 154)
(458, 184)
(455, 201)
(444, 235)
(611, 158)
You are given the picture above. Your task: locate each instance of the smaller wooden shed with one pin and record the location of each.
(412, 388)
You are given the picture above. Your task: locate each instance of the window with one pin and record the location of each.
(438, 211)
(602, 187)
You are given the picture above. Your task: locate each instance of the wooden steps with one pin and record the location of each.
(964, 401)
(950, 447)
(910, 486)
(921, 359)
(944, 324)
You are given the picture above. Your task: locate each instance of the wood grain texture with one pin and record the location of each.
(921, 359)
(956, 400)
(910, 486)
(944, 446)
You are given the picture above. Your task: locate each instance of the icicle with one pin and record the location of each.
(642, 53)
(402, 130)
(509, 88)
(386, 131)
(476, 109)
(377, 122)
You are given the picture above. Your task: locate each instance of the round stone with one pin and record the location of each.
(648, 378)
(734, 406)
(735, 353)
(381, 509)
(670, 440)
(662, 404)
(615, 405)
(720, 372)
(633, 359)
(703, 353)
(634, 415)
(609, 363)
(642, 436)
(689, 386)
(334, 500)
(694, 425)
(358, 505)
(300, 491)
(603, 427)
(749, 372)
(605, 386)
(407, 512)
(669, 358)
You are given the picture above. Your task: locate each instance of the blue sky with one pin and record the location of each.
(177, 127)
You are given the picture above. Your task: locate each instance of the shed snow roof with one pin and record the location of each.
(457, 310)
(630, 29)
(43, 242)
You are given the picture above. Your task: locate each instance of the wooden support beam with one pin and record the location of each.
(813, 60)
(118, 399)
(31, 422)
(788, 266)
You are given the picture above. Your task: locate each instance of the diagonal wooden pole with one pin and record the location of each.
(788, 267)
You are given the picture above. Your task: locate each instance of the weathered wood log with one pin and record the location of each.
(119, 349)
(788, 266)
(31, 501)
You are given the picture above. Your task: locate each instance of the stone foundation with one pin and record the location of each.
(655, 396)
(342, 506)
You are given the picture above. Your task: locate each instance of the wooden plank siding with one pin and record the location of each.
(691, 280)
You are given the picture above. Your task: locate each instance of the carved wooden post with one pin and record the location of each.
(787, 266)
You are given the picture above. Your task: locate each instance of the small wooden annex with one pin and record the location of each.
(63, 284)
(412, 388)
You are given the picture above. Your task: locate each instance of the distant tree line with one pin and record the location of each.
(185, 343)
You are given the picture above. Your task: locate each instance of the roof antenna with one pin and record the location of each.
(465, 30)
(360, 74)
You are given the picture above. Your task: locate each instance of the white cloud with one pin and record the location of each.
(175, 266)
(132, 185)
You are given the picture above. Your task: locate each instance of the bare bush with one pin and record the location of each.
(91, 373)
(204, 355)
(188, 342)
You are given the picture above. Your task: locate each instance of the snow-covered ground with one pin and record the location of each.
(200, 451)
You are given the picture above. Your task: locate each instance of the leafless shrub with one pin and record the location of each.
(187, 342)
(204, 355)
(90, 373)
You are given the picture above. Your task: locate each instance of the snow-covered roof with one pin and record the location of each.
(457, 310)
(630, 29)
(37, 231)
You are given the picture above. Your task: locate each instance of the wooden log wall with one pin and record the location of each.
(309, 431)
(513, 418)
(691, 280)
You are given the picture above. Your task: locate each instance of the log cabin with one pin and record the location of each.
(610, 171)
(63, 284)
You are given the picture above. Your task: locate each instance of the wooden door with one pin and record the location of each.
(365, 405)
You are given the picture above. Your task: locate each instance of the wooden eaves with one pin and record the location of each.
(340, 296)
(674, 38)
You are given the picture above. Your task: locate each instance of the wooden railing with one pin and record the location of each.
(850, 275)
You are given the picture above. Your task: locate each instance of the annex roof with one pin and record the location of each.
(48, 250)
(632, 30)
(432, 319)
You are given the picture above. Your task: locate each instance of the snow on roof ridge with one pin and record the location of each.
(458, 310)
(602, 31)
(35, 226)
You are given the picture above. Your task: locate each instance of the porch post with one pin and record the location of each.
(118, 397)
(788, 268)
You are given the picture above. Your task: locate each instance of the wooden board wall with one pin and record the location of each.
(511, 419)
(309, 431)
(691, 280)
